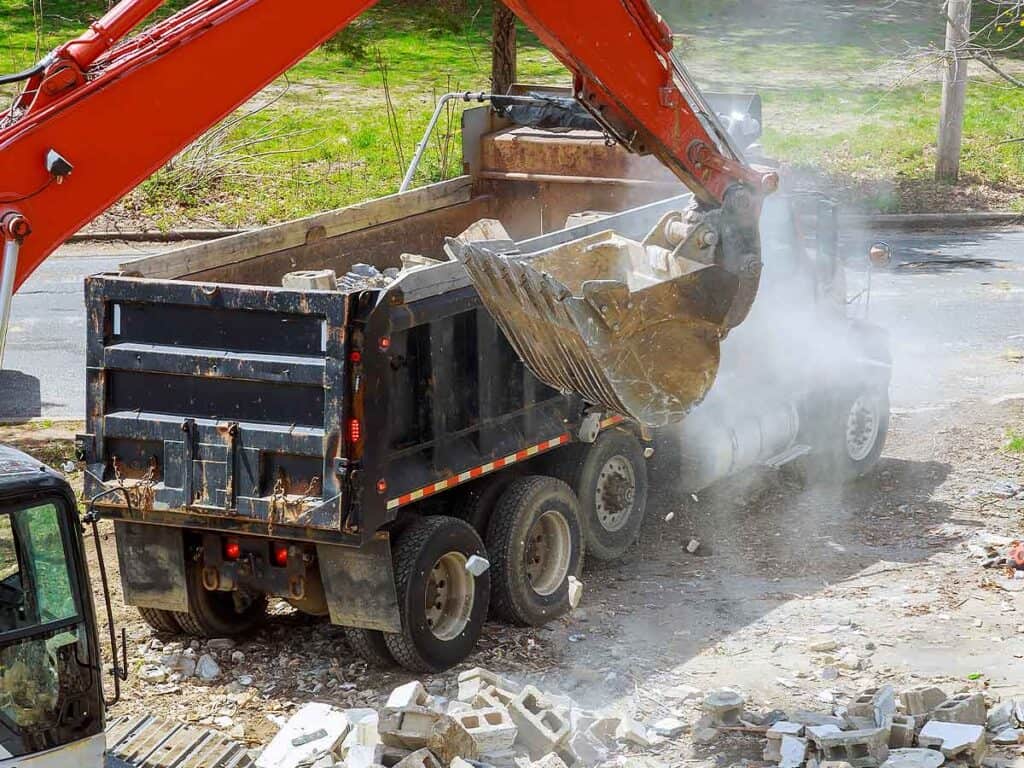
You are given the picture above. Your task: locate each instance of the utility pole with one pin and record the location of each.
(954, 90)
(503, 49)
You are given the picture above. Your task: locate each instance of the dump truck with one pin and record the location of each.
(397, 448)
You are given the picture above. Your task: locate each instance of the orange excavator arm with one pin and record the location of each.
(103, 112)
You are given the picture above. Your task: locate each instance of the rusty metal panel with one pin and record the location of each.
(152, 562)
(360, 585)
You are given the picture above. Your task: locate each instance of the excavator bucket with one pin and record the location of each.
(632, 327)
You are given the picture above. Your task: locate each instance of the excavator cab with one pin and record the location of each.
(51, 698)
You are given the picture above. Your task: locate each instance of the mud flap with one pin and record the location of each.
(152, 561)
(360, 585)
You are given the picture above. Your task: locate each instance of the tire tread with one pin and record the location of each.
(159, 619)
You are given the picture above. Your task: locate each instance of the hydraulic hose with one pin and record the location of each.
(25, 74)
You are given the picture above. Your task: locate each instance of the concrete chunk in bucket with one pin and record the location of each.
(596, 317)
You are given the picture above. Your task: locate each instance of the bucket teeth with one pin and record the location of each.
(649, 353)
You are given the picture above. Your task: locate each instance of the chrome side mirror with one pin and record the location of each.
(880, 255)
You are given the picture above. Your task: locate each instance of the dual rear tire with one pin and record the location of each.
(534, 543)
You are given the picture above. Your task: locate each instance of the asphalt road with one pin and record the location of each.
(952, 301)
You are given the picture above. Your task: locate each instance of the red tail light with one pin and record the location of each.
(355, 356)
(280, 555)
(232, 551)
(355, 431)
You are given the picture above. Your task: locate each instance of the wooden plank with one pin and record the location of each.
(290, 234)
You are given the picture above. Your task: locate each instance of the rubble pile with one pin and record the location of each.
(492, 721)
(495, 722)
(921, 728)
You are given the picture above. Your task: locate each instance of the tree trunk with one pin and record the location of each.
(503, 55)
(954, 91)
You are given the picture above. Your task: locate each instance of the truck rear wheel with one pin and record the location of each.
(160, 620)
(851, 434)
(442, 605)
(610, 480)
(536, 544)
(370, 645)
(477, 502)
(218, 614)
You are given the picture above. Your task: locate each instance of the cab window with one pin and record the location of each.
(35, 584)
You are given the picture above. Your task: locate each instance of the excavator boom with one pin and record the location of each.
(104, 111)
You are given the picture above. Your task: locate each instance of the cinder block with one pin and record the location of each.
(389, 756)
(542, 730)
(421, 758)
(634, 733)
(492, 697)
(863, 748)
(406, 727)
(965, 741)
(725, 707)
(473, 681)
(409, 695)
(313, 729)
(964, 708)
(921, 700)
(875, 704)
(902, 731)
(587, 749)
(491, 729)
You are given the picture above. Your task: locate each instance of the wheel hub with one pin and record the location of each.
(862, 425)
(548, 551)
(448, 600)
(615, 493)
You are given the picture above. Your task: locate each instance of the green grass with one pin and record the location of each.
(1014, 441)
(823, 69)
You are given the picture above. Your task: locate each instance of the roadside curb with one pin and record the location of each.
(922, 221)
(880, 222)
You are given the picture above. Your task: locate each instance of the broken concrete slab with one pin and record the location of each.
(964, 708)
(587, 749)
(793, 752)
(412, 694)
(956, 740)
(314, 729)
(914, 758)
(1009, 737)
(550, 760)
(669, 727)
(421, 758)
(1000, 717)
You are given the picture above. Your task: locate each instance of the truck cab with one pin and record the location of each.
(51, 698)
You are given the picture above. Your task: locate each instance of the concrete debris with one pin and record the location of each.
(207, 668)
(692, 546)
(955, 740)
(315, 729)
(914, 758)
(575, 592)
(725, 707)
(964, 708)
(477, 566)
(495, 723)
(921, 700)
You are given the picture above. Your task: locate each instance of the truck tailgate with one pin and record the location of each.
(217, 400)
